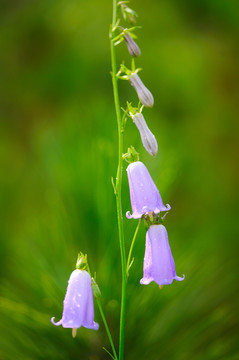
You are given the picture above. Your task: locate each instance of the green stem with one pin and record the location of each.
(119, 182)
(131, 247)
(106, 328)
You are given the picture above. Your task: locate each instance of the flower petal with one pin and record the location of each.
(54, 323)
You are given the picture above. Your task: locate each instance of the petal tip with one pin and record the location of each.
(54, 323)
(168, 207)
(96, 326)
(135, 215)
(145, 281)
(178, 278)
(92, 326)
(128, 215)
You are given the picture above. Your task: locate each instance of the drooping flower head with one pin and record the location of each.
(144, 194)
(143, 93)
(148, 139)
(133, 48)
(159, 265)
(78, 308)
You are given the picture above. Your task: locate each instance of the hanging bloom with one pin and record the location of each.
(147, 137)
(158, 260)
(133, 48)
(143, 93)
(144, 194)
(78, 306)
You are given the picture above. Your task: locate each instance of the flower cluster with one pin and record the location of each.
(146, 202)
(145, 96)
(145, 199)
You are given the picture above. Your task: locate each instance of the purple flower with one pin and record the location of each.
(144, 194)
(78, 309)
(143, 93)
(147, 137)
(158, 260)
(133, 48)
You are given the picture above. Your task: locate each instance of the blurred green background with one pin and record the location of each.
(58, 151)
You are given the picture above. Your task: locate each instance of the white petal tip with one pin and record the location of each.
(146, 281)
(128, 215)
(96, 326)
(54, 323)
(178, 278)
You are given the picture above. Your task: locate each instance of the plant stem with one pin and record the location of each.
(131, 247)
(119, 182)
(106, 328)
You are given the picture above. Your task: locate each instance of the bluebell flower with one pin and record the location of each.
(144, 194)
(78, 308)
(159, 265)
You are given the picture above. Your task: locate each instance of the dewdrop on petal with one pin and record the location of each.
(159, 265)
(143, 93)
(78, 306)
(133, 48)
(144, 194)
(148, 139)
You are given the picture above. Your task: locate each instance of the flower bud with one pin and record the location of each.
(133, 48)
(147, 137)
(143, 93)
(131, 155)
(128, 14)
(81, 262)
(95, 288)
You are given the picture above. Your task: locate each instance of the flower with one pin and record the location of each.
(78, 308)
(147, 137)
(133, 48)
(158, 260)
(144, 94)
(144, 194)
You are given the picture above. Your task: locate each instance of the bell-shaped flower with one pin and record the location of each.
(143, 93)
(133, 48)
(159, 265)
(144, 194)
(78, 308)
(147, 137)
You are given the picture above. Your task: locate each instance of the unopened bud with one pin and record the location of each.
(95, 288)
(148, 139)
(143, 93)
(131, 156)
(133, 48)
(81, 262)
(128, 14)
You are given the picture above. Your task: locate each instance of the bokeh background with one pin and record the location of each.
(58, 151)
